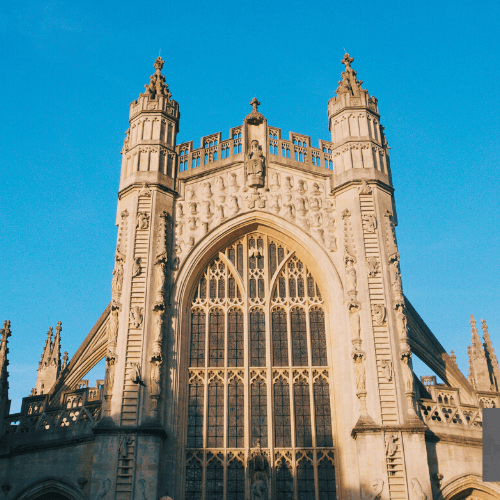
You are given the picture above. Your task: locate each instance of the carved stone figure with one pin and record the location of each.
(407, 370)
(370, 222)
(126, 141)
(136, 317)
(207, 212)
(301, 206)
(373, 266)
(316, 220)
(275, 182)
(258, 489)
(136, 267)
(193, 223)
(125, 442)
(314, 204)
(181, 210)
(350, 273)
(233, 182)
(390, 444)
(219, 184)
(220, 212)
(117, 282)
(155, 377)
(332, 243)
(135, 373)
(379, 313)
(110, 374)
(396, 277)
(377, 487)
(387, 369)
(302, 186)
(417, 490)
(255, 165)
(160, 263)
(142, 220)
(316, 190)
(401, 321)
(275, 203)
(354, 308)
(207, 190)
(113, 324)
(233, 205)
(103, 489)
(288, 184)
(365, 188)
(141, 486)
(145, 191)
(193, 208)
(359, 370)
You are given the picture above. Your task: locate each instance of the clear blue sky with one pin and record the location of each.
(70, 70)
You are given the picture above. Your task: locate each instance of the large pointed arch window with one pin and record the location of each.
(259, 377)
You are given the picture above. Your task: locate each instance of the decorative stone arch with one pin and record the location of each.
(468, 487)
(301, 245)
(51, 486)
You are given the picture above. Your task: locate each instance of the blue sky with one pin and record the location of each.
(70, 70)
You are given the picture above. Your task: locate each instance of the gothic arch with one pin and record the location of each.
(469, 486)
(51, 486)
(300, 247)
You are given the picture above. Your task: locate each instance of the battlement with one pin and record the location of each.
(296, 151)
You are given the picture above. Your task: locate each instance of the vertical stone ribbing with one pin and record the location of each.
(385, 372)
(131, 387)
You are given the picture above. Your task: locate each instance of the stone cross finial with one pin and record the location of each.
(484, 326)
(347, 61)
(255, 104)
(159, 62)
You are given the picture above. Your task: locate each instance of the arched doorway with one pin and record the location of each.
(259, 402)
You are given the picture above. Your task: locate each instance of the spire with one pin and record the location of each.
(4, 375)
(50, 363)
(157, 85)
(478, 367)
(349, 82)
(491, 359)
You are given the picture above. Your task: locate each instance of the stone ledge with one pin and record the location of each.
(410, 427)
(107, 426)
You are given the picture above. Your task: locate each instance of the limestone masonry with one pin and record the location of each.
(258, 342)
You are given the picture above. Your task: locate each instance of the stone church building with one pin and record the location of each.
(258, 341)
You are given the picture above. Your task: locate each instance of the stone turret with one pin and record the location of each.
(359, 146)
(4, 375)
(491, 358)
(49, 366)
(148, 153)
(479, 375)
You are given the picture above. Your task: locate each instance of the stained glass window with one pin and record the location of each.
(259, 412)
(305, 480)
(280, 338)
(303, 434)
(318, 337)
(236, 414)
(284, 481)
(194, 480)
(195, 415)
(324, 436)
(216, 338)
(257, 338)
(216, 414)
(215, 479)
(299, 337)
(235, 341)
(197, 338)
(281, 418)
(235, 481)
(326, 480)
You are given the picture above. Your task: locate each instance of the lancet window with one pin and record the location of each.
(259, 378)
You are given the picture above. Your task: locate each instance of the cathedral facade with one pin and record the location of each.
(258, 342)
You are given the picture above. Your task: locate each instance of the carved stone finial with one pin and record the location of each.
(349, 83)
(347, 60)
(159, 62)
(157, 85)
(255, 118)
(255, 103)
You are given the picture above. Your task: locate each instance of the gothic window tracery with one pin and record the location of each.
(259, 375)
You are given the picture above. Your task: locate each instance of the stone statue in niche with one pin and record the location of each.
(302, 186)
(359, 370)
(142, 220)
(220, 212)
(373, 266)
(390, 444)
(379, 313)
(301, 206)
(136, 267)
(136, 317)
(110, 373)
(255, 165)
(233, 182)
(193, 223)
(316, 220)
(193, 208)
(135, 373)
(370, 223)
(219, 184)
(125, 442)
(155, 377)
(113, 323)
(160, 263)
(316, 191)
(117, 282)
(259, 487)
(288, 184)
(207, 212)
(181, 210)
(233, 205)
(401, 321)
(314, 204)
(332, 243)
(407, 370)
(354, 308)
(350, 273)
(387, 369)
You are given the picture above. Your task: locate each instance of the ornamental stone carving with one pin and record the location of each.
(135, 373)
(376, 490)
(359, 370)
(103, 489)
(390, 444)
(255, 165)
(418, 493)
(136, 317)
(370, 223)
(136, 267)
(142, 220)
(379, 314)
(373, 265)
